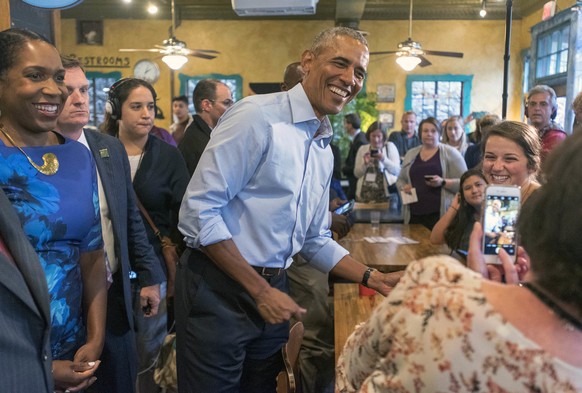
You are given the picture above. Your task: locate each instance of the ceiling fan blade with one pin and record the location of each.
(205, 51)
(202, 55)
(139, 50)
(424, 62)
(446, 54)
(386, 52)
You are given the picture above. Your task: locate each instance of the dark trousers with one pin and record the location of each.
(118, 370)
(222, 343)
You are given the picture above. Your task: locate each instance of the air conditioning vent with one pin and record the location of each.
(274, 7)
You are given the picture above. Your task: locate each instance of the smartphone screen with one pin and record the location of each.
(345, 208)
(499, 224)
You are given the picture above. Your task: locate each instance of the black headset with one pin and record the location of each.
(113, 104)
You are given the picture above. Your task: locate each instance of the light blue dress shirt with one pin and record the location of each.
(263, 181)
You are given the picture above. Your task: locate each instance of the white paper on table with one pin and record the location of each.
(397, 240)
(409, 198)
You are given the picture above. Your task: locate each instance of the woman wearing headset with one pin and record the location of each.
(160, 178)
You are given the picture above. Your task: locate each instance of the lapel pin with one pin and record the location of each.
(104, 153)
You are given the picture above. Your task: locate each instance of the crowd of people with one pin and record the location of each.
(112, 238)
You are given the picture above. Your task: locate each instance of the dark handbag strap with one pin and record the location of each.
(148, 219)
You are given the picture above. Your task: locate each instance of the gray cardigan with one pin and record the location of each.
(453, 166)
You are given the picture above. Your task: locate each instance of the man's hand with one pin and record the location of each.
(335, 203)
(340, 224)
(277, 307)
(384, 282)
(514, 272)
(149, 299)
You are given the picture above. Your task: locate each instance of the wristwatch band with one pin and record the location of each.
(444, 182)
(366, 277)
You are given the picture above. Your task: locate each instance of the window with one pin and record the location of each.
(439, 96)
(188, 83)
(552, 51)
(98, 87)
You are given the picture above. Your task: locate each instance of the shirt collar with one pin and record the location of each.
(302, 111)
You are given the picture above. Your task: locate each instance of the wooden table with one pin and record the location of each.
(388, 257)
(350, 308)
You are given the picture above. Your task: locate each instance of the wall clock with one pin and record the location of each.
(147, 70)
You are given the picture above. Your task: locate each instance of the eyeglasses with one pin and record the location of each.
(227, 103)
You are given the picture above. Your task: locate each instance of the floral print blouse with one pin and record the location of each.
(436, 332)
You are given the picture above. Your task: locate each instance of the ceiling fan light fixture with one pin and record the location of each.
(175, 62)
(408, 62)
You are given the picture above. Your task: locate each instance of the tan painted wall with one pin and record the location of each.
(260, 50)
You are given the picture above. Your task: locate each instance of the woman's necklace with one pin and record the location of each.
(50, 162)
(570, 322)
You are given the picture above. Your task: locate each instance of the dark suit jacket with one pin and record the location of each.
(25, 355)
(132, 247)
(195, 139)
(349, 164)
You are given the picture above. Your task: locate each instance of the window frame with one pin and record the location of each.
(466, 80)
(91, 76)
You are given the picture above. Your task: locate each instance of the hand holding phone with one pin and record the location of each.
(499, 218)
(346, 208)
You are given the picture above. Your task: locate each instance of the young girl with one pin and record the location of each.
(455, 226)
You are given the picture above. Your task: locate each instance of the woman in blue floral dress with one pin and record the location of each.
(51, 182)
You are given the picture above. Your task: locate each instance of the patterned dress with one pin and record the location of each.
(60, 216)
(436, 332)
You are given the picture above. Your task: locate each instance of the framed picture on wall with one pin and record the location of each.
(90, 32)
(386, 92)
(386, 120)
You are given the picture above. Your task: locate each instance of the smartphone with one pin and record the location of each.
(500, 212)
(373, 152)
(428, 177)
(345, 208)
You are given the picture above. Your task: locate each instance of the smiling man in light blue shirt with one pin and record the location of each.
(259, 196)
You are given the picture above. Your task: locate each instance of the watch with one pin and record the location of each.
(147, 70)
(366, 277)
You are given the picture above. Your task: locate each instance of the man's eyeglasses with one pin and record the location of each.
(227, 103)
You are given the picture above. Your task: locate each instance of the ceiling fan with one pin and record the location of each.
(410, 53)
(175, 52)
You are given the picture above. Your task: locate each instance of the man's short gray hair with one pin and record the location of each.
(325, 38)
(540, 89)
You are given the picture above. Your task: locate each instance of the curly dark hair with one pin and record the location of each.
(465, 217)
(550, 224)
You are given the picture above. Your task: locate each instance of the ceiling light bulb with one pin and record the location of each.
(127, 1)
(175, 62)
(483, 13)
(408, 63)
(152, 8)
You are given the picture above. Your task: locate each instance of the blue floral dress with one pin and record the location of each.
(60, 216)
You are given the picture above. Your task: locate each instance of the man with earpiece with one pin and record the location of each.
(541, 110)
